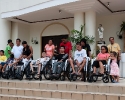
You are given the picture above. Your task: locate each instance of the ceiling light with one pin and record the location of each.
(108, 3)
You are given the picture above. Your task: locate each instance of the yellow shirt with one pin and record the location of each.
(3, 58)
(114, 47)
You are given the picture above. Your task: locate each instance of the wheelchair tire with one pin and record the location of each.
(94, 78)
(74, 78)
(105, 79)
(47, 71)
(21, 78)
(62, 78)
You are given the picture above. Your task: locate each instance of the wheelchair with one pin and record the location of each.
(63, 72)
(45, 71)
(74, 77)
(104, 77)
(11, 72)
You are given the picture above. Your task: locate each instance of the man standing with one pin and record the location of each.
(17, 49)
(67, 45)
(114, 47)
(8, 49)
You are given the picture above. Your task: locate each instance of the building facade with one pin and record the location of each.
(38, 19)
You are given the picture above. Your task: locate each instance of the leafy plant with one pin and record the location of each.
(122, 27)
(76, 36)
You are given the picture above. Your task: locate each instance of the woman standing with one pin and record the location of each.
(27, 50)
(49, 49)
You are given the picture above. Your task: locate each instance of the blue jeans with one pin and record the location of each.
(56, 69)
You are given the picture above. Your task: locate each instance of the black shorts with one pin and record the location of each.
(96, 63)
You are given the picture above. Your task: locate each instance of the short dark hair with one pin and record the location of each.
(106, 48)
(64, 37)
(18, 40)
(2, 51)
(9, 41)
(78, 43)
(62, 47)
(111, 37)
(83, 40)
(24, 42)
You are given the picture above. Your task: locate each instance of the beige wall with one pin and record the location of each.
(111, 25)
(21, 31)
(14, 32)
(24, 32)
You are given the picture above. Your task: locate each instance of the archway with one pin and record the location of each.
(53, 31)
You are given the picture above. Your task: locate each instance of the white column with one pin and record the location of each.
(78, 20)
(5, 33)
(90, 27)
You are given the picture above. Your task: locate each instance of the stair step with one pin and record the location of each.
(60, 94)
(19, 97)
(66, 86)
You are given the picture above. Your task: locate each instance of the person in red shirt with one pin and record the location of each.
(68, 46)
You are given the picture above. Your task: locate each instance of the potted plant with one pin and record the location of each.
(76, 36)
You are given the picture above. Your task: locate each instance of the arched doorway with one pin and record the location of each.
(54, 31)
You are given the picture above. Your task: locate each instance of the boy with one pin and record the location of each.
(61, 58)
(39, 62)
(79, 58)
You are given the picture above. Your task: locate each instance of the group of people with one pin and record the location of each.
(13, 55)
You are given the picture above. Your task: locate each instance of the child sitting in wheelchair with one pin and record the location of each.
(61, 58)
(9, 62)
(3, 59)
(79, 59)
(39, 63)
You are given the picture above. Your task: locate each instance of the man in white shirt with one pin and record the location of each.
(79, 58)
(17, 49)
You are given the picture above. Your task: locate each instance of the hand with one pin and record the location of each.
(28, 57)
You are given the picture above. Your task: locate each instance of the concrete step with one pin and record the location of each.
(66, 86)
(60, 94)
(18, 97)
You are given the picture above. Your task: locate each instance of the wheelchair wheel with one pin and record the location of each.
(74, 78)
(105, 79)
(47, 71)
(94, 78)
(40, 78)
(62, 77)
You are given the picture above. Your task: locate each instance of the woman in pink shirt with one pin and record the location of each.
(101, 60)
(49, 49)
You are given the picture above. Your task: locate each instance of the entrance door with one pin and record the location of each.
(56, 40)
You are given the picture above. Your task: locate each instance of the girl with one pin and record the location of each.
(114, 67)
